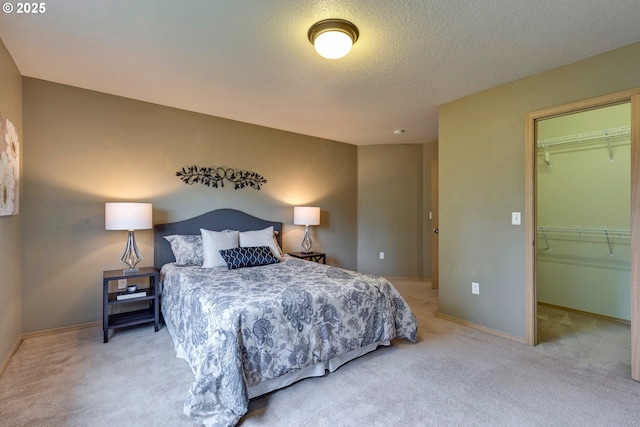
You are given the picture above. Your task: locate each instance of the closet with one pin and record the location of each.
(583, 188)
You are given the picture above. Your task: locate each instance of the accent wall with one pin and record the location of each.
(86, 148)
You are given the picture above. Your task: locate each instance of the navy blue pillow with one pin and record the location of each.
(250, 256)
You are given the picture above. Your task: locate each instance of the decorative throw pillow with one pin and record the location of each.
(264, 237)
(215, 241)
(248, 257)
(187, 249)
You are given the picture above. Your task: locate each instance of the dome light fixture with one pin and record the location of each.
(333, 38)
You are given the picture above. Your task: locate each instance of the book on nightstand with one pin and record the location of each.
(127, 295)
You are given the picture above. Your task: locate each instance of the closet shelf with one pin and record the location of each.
(586, 138)
(607, 233)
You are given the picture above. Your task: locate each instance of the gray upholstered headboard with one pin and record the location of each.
(218, 220)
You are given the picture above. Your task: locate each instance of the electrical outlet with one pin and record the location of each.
(475, 288)
(381, 255)
(122, 283)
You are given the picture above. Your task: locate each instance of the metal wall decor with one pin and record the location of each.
(215, 176)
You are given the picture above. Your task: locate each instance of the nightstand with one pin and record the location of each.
(135, 317)
(311, 256)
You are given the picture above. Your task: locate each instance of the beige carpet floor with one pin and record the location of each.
(453, 376)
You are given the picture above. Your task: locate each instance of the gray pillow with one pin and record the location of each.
(187, 249)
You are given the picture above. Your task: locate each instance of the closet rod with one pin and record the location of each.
(585, 136)
(607, 233)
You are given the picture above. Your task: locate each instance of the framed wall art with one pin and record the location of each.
(9, 168)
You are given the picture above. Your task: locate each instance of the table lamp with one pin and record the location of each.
(130, 217)
(306, 215)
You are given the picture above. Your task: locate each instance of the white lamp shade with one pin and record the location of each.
(127, 216)
(306, 215)
(333, 44)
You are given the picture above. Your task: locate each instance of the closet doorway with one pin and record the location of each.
(550, 228)
(583, 222)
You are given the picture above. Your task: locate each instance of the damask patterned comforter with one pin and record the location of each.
(240, 328)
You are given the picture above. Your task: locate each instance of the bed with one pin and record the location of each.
(255, 325)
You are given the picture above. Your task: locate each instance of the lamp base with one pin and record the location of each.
(131, 255)
(306, 241)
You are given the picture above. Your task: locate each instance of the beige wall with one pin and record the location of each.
(86, 148)
(10, 239)
(481, 154)
(390, 209)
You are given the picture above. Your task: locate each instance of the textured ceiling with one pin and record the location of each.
(250, 60)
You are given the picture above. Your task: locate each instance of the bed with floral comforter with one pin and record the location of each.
(249, 331)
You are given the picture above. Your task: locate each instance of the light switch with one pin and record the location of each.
(515, 218)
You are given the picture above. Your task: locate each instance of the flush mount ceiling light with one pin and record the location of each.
(333, 38)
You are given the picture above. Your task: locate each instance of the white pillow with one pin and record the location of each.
(264, 237)
(215, 241)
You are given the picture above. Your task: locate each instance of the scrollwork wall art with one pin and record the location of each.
(212, 176)
(9, 168)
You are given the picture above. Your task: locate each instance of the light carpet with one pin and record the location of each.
(453, 376)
